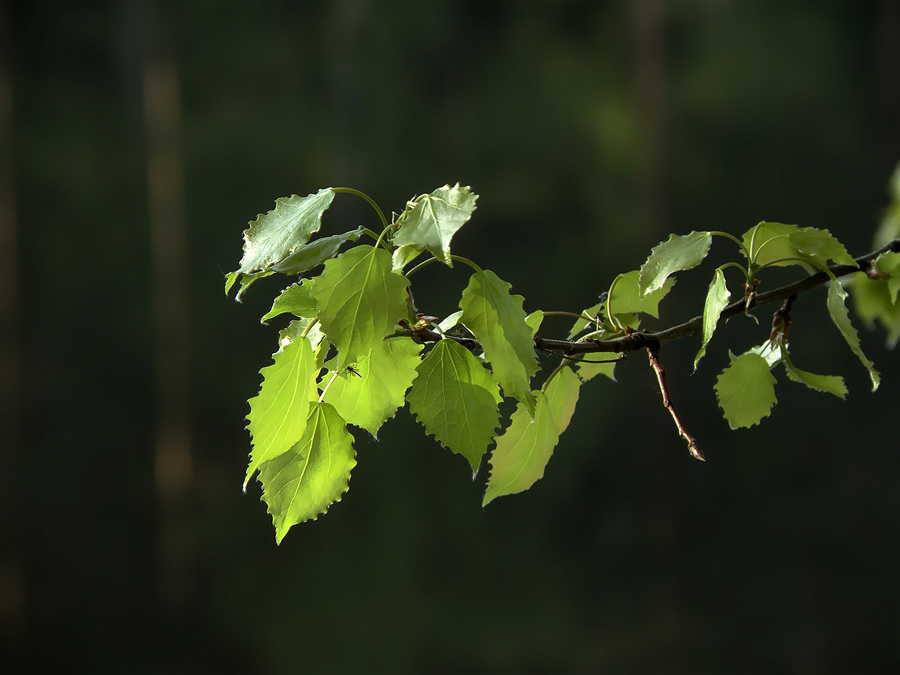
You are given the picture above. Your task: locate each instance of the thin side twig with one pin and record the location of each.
(693, 446)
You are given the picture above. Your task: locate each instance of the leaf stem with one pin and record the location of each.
(333, 376)
(716, 233)
(609, 296)
(425, 263)
(371, 201)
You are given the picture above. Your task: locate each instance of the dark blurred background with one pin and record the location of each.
(138, 138)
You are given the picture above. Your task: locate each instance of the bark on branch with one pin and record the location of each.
(642, 339)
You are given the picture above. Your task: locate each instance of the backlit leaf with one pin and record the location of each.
(838, 311)
(820, 245)
(430, 221)
(872, 302)
(303, 482)
(677, 253)
(625, 299)
(360, 300)
(296, 300)
(770, 241)
(497, 320)
(717, 298)
(455, 399)
(371, 393)
(746, 390)
(278, 413)
(562, 395)
(808, 247)
(523, 450)
(315, 253)
(275, 235)
(831, 384)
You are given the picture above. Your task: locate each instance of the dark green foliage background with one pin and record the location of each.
(780, 554)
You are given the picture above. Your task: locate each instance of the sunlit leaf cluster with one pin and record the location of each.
(356, 349)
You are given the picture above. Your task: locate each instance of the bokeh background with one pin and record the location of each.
(138, 138)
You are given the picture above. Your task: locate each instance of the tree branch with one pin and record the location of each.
(643, 339)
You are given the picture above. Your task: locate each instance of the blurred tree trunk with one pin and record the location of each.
(168, 249)
(650, 85)
(12, 589)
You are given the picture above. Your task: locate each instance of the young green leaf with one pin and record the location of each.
(301, 484)
(523, 450)
(273, 236)
(587, 371)
(625, 299)
(315, 253)
(820, 245)
(246, 279)
(296, 300)
(360, 300)
(534, 321)
(497, 320)
(872, 301)
(450, 321)
(838, 311)
(278, 413)
(455, 399)
(746, 390)
(369, 394)
(562, 395)
(676, 254)
(582, 324)
(430, 221)
(889, 263)
(831, 384)
(767, 242)
(717, 298)
(808, 247)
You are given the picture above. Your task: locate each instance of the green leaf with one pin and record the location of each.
(677, 253)
(497, 320)
(889, 263)
(625, 299)
(838, 311)
(767, 242)
(872, 301)
(245, 279)
(371, 395)
(808, 247)
(831, 384)
(450, 321)
(301, 484)
(587, 370)
(296, 300)
(746, 391)
(562, 395)
(430, 221)
(278, 413)
(716, 300)
(360, 300)
(534, 321)
(315, 253)
(523, 450)
(581, 324)
(455, 399)
(820, 245)
(273, 236)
